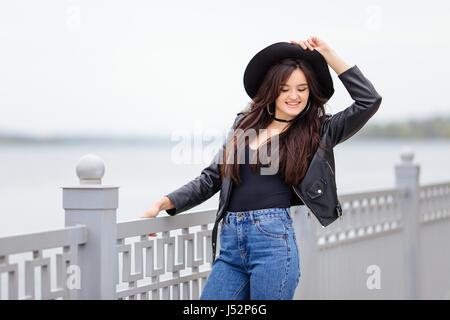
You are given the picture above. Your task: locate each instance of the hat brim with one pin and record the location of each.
(259, 65)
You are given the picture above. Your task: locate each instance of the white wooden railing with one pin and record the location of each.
(389, 244)
(35, 251)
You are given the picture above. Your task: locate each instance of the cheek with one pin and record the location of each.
(282, 98)
(304, 95)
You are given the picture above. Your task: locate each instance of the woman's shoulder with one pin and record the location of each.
(241, 115)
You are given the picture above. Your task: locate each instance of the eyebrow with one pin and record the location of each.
(301, 84)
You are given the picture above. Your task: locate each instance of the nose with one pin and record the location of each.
(293, 94)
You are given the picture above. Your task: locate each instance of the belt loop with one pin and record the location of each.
(251, 217)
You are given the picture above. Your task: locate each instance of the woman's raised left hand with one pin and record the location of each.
(313, 43)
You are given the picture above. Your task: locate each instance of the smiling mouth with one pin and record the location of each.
(292, 105)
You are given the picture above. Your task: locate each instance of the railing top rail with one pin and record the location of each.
(432, 185)
(392, 191)
(42, 240)
(183, 220)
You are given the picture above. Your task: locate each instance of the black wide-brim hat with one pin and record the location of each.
(259, 65)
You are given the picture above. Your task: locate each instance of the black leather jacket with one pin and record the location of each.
(317, 190)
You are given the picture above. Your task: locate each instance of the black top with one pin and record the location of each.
(258, 191)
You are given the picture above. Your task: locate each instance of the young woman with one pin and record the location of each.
(288, 84)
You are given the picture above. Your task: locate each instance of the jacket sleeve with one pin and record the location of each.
(346, 123)
(202, 187)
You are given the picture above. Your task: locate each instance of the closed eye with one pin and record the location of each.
(288, 90)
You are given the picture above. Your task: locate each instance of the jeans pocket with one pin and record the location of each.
(272, 227)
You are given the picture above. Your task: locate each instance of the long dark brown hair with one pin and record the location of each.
(297, 143)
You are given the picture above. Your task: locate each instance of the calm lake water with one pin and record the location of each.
(31, 177)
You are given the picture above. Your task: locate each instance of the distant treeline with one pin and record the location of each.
(24, 139)
(431, 128)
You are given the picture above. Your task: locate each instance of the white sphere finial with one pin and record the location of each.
(407, 155)
(90, 169)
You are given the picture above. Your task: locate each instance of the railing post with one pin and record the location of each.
(94, 205)
(407, 176)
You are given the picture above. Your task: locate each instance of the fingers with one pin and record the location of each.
(305, 44)
(301, 44)
(310, 44)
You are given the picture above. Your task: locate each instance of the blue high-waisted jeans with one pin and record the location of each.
(258, 258)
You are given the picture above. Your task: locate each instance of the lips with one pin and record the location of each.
(292, 106)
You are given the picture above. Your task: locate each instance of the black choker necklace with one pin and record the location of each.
(281, 120)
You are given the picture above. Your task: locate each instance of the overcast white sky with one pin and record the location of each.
(147, 67)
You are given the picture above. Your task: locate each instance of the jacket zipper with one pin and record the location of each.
(338, 206)
(332, 171)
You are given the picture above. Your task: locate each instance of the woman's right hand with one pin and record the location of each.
(152, 212)
(313, 43)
